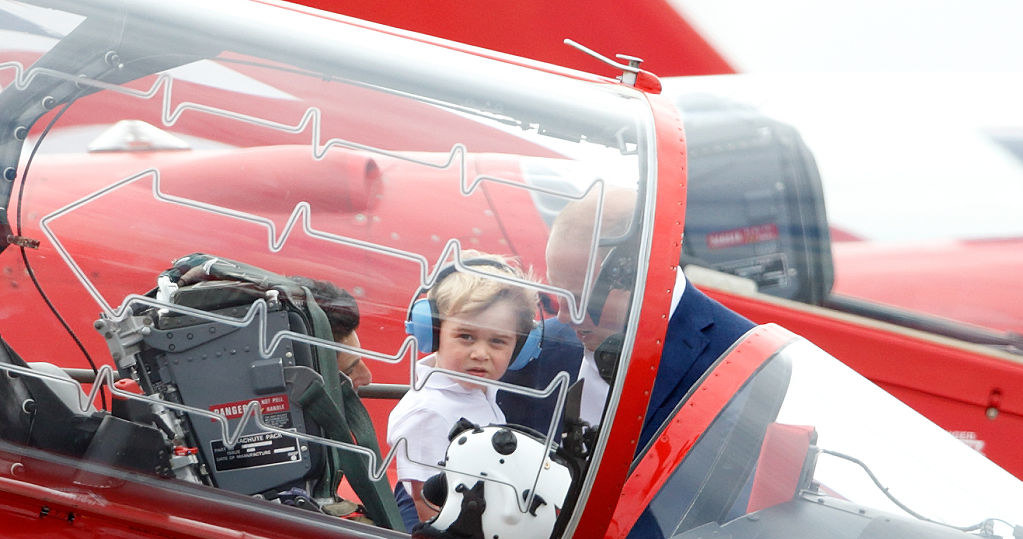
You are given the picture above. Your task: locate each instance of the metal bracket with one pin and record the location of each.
(123, 338)
(22, 241)
(630, 71)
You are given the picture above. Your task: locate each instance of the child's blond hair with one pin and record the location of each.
(463, 293)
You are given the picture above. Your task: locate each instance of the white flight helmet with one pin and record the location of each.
(487, 490)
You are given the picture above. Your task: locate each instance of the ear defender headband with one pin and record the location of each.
(617, 272)
(424, 321)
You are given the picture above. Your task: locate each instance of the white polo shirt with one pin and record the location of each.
(425, 417)
(595, 389)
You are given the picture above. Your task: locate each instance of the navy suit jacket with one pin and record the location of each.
(700, 330)
(560, 351)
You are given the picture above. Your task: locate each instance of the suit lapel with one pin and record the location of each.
(684, 342)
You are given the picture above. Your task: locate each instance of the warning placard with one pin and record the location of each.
(263, 449)
(271, 404)
(742, 236)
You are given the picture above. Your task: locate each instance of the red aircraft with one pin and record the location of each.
(282, 142)
(913, 250)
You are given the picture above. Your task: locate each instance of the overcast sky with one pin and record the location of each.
(895, 99)
(862, 35)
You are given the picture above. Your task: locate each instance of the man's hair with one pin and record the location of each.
(463, 293)
(576, 221)
(340, 307)
(573, 240)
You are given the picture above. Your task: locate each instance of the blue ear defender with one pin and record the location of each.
(424, 322)
(529, 348)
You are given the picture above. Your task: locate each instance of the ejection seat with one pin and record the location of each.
(243, 335)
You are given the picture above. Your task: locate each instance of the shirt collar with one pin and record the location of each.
(441, 381)
(680, 287)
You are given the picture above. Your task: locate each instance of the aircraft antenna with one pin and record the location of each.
(629, 71)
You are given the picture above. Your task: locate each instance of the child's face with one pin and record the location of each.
(479, 344)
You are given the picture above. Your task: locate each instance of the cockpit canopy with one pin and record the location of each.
(293, 143)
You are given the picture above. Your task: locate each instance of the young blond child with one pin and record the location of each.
(482, 322)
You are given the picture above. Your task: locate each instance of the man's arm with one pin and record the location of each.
(423, 508)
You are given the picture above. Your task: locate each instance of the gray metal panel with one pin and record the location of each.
(218, 376)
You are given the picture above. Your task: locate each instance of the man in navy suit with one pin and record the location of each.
(561, 352)
(699, 332)
(700, 329)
